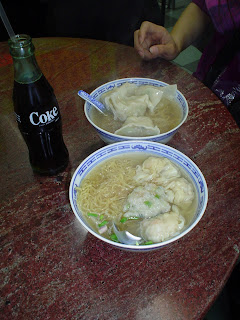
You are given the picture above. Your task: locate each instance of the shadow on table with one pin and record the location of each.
(227, 306)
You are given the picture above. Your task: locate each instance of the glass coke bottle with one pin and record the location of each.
(37, 111)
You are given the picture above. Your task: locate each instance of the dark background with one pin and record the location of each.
(109, 20)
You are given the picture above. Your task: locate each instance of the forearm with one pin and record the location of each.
(189, 26)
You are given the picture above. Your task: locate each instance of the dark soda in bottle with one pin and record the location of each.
(37, 111)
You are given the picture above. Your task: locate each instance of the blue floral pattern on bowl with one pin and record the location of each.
(153, 149)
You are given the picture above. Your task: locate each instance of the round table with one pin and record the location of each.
(51, 268)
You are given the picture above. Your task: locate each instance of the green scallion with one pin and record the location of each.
(90, 214)
(113, 237)
(103, 223)
(148, 242)
(157, 196)
(124, 219)
(148, 203)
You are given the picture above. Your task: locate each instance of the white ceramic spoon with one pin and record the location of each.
(97, 104)
(125, 236)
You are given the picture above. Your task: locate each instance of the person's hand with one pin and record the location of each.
(152, 41)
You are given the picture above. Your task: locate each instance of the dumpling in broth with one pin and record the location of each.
(144, 202)
(170, 92)
(128, 100)
(183, 191)
(154, 93)
(138, 127)
(157, 170)
(162, 227)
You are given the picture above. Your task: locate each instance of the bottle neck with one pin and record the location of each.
(26, 69)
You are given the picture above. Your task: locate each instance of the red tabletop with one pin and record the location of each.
(50, 267)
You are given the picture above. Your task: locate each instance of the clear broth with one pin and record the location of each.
(166, 116)
(131, 161)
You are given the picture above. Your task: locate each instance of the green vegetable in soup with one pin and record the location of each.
(113, 237)
(90, 214)
(148, 203)
(103, 223)
(124, 219)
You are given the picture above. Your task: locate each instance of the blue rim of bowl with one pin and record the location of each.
(144, 81)
(165, 151)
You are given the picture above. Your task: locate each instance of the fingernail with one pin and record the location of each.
(153, 50)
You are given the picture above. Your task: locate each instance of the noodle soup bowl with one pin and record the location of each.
(140, 148)
(109, 137)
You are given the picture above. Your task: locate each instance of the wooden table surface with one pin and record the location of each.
(50, 267)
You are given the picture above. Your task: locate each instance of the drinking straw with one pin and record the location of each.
(6, 22)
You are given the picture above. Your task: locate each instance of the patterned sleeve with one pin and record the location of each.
(201, 4)
(225, 14)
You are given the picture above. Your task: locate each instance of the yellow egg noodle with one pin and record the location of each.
(104, 191)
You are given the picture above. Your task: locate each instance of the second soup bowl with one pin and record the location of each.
(109, 137)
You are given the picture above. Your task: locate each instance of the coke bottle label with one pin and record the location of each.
(35, 106)
(44, 118)
(37, 119)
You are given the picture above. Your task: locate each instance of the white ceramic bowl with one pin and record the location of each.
(109, 137)
(153, 149)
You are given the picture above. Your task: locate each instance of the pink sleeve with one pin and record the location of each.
(201, 4)
(225, 15)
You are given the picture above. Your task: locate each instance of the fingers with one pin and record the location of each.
(142, 48)
(166, 51)
(146, 39)
(152, 41)
(147, 28)
(138, 45)
(156, 51)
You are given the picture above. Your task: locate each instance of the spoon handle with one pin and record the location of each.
(91, 100)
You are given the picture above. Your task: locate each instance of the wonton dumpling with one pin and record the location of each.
(183, 191)
(154, 93)
(170, 91)
(156, 170)
(167, 195)
(125, 101)
(138, 127)
(162, 227)
(144, 202)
